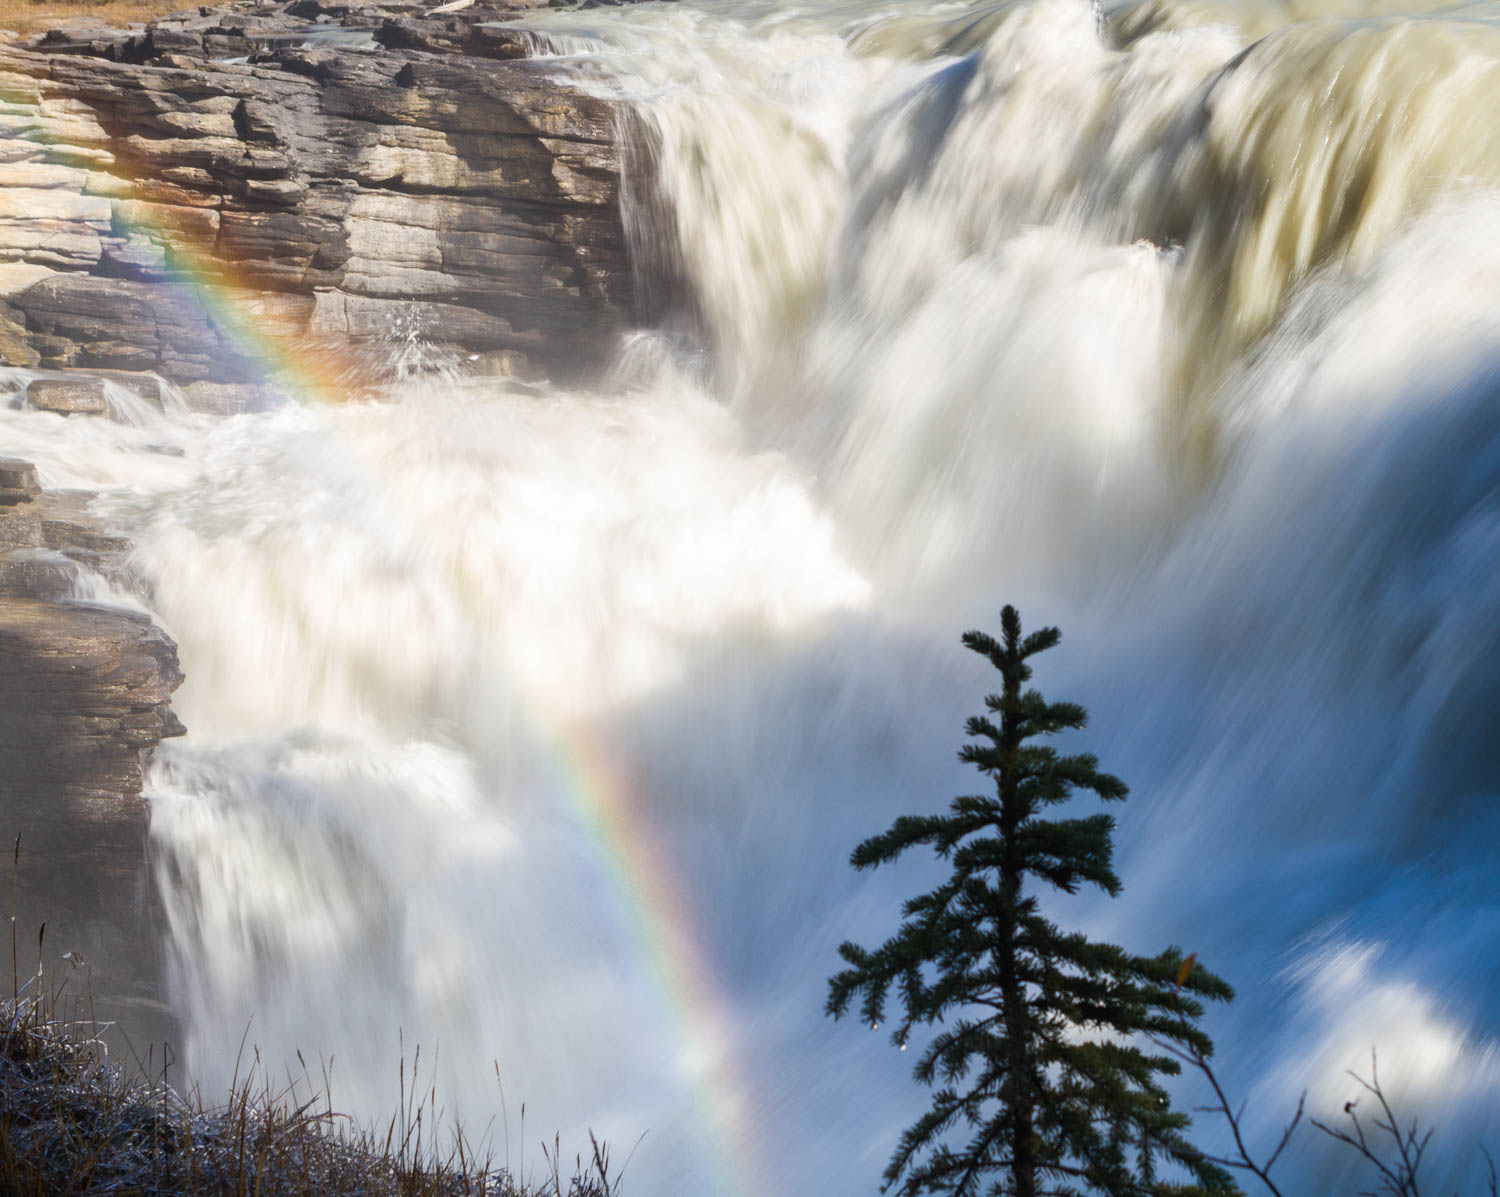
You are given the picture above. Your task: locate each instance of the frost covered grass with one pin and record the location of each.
(73, 1121)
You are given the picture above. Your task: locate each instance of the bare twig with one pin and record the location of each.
(1243, 1160)
(1398, 1176)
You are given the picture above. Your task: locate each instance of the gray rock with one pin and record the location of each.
(84, 689)
(114, 324)
(83, 699)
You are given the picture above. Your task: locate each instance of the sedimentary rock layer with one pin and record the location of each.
(85, 690)
(163, 209)
(84, 697)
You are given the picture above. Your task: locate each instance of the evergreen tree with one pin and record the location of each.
(1042, 1058)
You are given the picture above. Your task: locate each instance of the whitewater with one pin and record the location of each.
(535, 726)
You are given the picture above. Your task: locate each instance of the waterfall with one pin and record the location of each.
(535, 726)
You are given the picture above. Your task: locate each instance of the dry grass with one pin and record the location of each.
(72, 1122)
(33, 16)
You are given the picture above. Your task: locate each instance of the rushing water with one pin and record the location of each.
(537, 730)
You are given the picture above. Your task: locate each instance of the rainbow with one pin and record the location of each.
(650, 895)
(657, 910)
(226, 294)
(666, 938)
(312, 372)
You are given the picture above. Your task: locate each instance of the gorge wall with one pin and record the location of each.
(85, 693)
(201, 201)
(322, 176)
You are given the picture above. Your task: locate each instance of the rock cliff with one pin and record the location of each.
(214, 199)
(84, 697)
(201, 197)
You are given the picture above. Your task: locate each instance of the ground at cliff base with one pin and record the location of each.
(25, 17)
(72, 1121)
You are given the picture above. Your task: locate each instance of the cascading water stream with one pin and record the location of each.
(537, 730)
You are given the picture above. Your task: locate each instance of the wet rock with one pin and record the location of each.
(18, 481)
(83, 689)
(36, 573)
(230, 399)
(143, 386)
(68, 522)
(73, 396)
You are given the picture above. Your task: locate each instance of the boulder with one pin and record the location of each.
(68, 397)
(143, 386)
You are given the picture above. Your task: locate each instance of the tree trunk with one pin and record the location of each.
(1012, 991)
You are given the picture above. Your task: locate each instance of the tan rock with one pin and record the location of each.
(42, 174)
(20, 526)
(279, 313)
(69, 523)
(158, 220)
(69, 397)
(16, 277)
(203, 124)
(145, 385)
(101, 182)
(506, 363)
(43, 203)
(380, 242)
(28, 571)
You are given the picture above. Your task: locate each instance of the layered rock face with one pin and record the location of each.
(213, 200)
(203, 196)
(84, 694)
(85, 690)
(84, 697)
